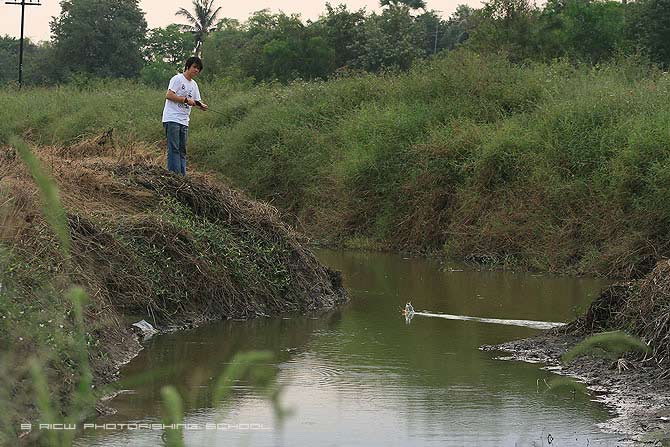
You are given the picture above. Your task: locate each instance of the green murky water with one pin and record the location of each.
(361, 376)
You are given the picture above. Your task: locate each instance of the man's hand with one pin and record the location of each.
(201, 105)
(191, 102)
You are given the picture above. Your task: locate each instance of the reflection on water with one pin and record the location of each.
(360, 376)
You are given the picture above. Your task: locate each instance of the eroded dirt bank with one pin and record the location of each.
(144, 244)
(637, 387)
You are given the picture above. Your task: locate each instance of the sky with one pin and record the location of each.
(161, 12)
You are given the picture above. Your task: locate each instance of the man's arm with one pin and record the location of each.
(198, 100)
(172, 96)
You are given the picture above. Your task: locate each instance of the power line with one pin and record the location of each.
(23, 11)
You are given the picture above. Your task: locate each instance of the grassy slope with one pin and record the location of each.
(547, 166)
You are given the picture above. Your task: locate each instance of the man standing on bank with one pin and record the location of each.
(182, 94)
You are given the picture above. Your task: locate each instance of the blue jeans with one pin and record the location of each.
(176, 134)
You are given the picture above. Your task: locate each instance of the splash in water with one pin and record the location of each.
(410, 313)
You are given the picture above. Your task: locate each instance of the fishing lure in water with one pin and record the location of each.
(408, 312)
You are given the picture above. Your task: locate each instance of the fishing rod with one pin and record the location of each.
(199, 104)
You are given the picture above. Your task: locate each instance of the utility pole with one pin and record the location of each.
(23, 12)
(437, 28)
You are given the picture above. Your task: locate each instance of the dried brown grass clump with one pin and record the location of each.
(640, 308)
(156, 245)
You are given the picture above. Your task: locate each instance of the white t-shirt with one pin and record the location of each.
(179, 112)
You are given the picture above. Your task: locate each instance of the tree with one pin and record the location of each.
(168, 45)
(458, 27)
(393, 39)
(510, 26)
(99, 37)
(40, 65)
(432, 28)
(341, 29)
(648, 26)
(411, 4)
(223, 50)
(589, 31)
(201, 22)
(270, 47)
(284, 48)
(9, 52)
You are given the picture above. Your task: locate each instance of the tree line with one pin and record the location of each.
(110, 39)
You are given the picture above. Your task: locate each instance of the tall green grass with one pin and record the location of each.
(548, 166)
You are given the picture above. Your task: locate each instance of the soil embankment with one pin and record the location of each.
(145, 244)
(636, 387)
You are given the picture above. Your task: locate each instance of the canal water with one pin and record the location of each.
(362, 376)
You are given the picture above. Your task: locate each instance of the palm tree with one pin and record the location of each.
(411, 4)
(201, 21)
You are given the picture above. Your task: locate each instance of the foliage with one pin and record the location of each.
(102, 38)
(280, 47)
(583, 31)
(393, 39)
(648, 29)
(457, 28)
(341, 28)
(9, 52)
(411, 4)
(271, 46)
(173, 416)
(223, 51)
(201, 21)
(38, 61)
(155, 74)
(586, 31)
(559, 384)
(507, 26)
(168, 45)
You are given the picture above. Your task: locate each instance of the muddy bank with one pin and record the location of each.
(639, 399)
(144, 244)
(636, 387)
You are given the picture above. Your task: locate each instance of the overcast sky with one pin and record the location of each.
(161, 12)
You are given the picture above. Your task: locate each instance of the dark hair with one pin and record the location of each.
(193, 60)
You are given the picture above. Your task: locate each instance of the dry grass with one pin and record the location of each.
(114, 195)
(640, 308)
